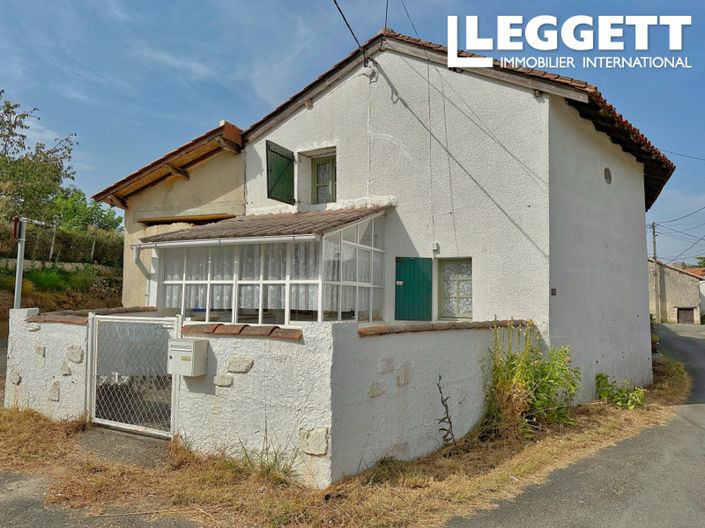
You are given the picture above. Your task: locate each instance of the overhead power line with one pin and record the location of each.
(687, 249)
(364, 56)
(684, 155)
(681, 217)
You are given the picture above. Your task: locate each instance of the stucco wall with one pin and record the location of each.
(469, 172)
(214, 187)
(598, 249)
(677, 290)
(46, 366)
(287, 389)
(384, 396)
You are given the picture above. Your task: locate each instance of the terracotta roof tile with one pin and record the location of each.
(276, 224)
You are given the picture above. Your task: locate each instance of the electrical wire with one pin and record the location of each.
(687, 249)
(410, 21)
(364, 55)
(681, 217)
(684, 155)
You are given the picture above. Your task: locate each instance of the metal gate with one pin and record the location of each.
(130, 387)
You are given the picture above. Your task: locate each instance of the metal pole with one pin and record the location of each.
(657, 290)
(20, 262)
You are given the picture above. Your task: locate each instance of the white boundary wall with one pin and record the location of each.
(46, 366)
(337, 401)
(385, 398)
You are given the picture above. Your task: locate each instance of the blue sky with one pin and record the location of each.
(136, 79)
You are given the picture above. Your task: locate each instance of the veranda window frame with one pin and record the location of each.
(287, 282)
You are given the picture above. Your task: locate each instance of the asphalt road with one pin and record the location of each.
(654, 479)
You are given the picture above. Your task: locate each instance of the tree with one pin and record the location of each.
(699, 263)
(31, 178)
(74, 212)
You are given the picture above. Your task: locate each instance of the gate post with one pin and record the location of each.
(90, 368)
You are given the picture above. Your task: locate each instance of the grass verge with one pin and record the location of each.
(257, 489)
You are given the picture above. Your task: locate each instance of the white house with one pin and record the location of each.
(302, 248)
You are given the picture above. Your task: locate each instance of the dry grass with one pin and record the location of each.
(222, 491)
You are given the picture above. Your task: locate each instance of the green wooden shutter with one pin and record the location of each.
(280, 173)
(413, 289)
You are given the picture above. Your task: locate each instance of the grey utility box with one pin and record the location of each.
(187, 357)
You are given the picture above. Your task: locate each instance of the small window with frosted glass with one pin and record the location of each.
(455, 288)
(340, 278)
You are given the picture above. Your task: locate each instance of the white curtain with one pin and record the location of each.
(221, 297)
(248, 296)
(304, 297)
(305, 261)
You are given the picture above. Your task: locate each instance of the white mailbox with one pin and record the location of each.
(187, 357)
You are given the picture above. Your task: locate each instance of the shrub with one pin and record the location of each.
(627, 396)
(526, 388)
(47, 279)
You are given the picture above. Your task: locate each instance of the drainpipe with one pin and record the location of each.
(139, 263)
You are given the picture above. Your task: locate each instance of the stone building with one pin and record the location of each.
(679, 294)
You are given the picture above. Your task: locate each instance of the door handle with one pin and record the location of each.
(399, 283)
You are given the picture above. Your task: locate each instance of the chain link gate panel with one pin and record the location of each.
(131, 387)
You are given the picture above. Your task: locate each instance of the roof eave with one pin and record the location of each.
(226, 137)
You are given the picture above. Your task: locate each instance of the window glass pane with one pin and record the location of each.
(248, 303)
(305, 261)
(378, 268)
(350, 234)
(323, 172)
(363, 304)
(465, 305)
(379, 232)
(197, 263)
(456, 287)
(349, 264)
(273, 304)
(303, 302)
(172, 296)
(195, 302)
(331, 257)
(323, 194)
(249, 262)
(365, 231)
(223, 262)
(330, 302)
(347, 308)
(377, 304)
(274, 261)
(172, 261)
(363, 263)
(221, 303)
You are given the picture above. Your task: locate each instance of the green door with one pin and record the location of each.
(413, 289)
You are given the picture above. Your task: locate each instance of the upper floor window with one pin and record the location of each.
(323, 180)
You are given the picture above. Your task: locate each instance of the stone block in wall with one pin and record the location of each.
(15, 377)
(65, 369)
(314, 441)
(404, 374)
(54, 392)
(74, 353)
(40, 350)
(223, 380)
(377, 388)
(386, 365)
(240, 365)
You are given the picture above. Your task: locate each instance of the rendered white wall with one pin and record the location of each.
(286, 390)
(45, 356)
(385, 399)
(598, 252)
(473, 176)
